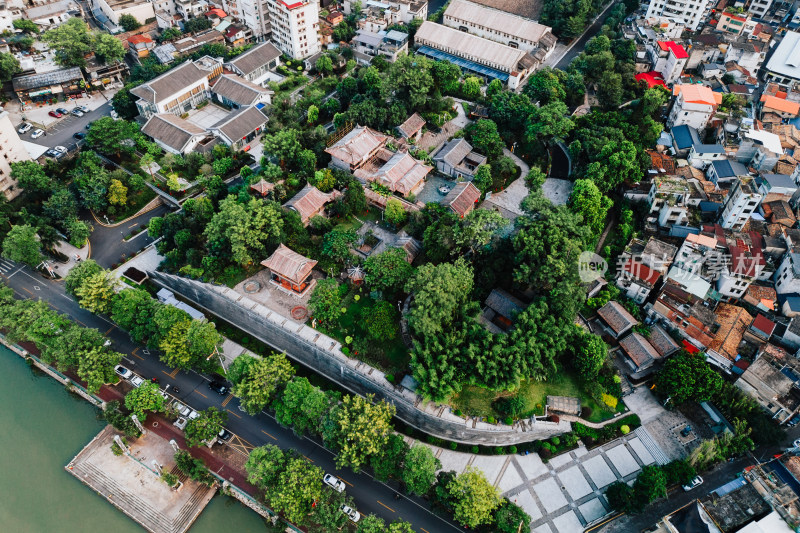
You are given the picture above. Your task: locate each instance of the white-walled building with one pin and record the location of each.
(740, 204)
(255, 15)
(668, 58)
(255, 64)
(787, 277)
(141, 10)
(783, 67)
(295, 26)
(394, 11)
(499, 26)
(178, 90)
(11, 151)
(690, 12)
(694, 105)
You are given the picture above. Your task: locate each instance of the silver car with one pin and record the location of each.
(333, 482)
(351, 513)
(37, 133)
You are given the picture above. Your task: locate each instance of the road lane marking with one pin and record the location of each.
(234, 414)
(344, 480)
(308, 458)
(133, 225)
(174, 373)
(227, 400)
(380, 502)
(26, 290)
(424, 530)
(264, 432)
(164, 371)
(109, 330)
(201, 394)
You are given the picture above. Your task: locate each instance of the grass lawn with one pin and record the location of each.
(135, 203)
(347, 224)
(390, 356)
(477, 401)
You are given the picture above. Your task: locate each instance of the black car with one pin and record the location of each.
(89, 124)
(225, 435)
(218, 387)
(79, 135)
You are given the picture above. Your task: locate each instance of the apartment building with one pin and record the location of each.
(499, 26)
(295, 25)
(393, 11)
(690, 12)
(141, 10)
(255, 15)
(694, 105)
(740, 204)
(668, 58)
(11, 151)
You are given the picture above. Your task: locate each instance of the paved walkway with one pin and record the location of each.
(509, 200)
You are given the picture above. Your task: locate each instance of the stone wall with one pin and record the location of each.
(323, 354)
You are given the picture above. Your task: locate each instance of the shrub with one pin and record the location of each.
(610, 401)
(491, 420)
(545, 454)
(475, 450)
(512, 449)
(498, 450)
(617, 379)
(536, 445)
(555, 441)
(508, 420)
(390, 378)
(624, 429)
(554, 418)
(458, 412)
(453, 445)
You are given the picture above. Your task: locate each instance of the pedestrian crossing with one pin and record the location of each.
(6, 267)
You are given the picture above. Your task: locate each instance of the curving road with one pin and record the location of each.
(109, 244)
(371, 496)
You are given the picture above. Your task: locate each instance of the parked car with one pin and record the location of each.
(696, 482)
(24, 128)
(36, 134)
(351, 513)
(333, 482)
(113, 114)
(77, 112)
(123, 372)
(194, 414)
(225, 435)
(79, 135)
(56, 114)
(137, 381)
(686, 431)
(60, 149)
(51, 153)
(83, 108)
(182, 409)
(62, 111)
(218, 387)
(89, 124)
(796, 443)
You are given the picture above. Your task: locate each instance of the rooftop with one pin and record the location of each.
(528, 9)
(255, 58)
(780, 104)
(171, 130)
(461, 198)
(241, 123)
(170, 83)
(289, 264)
(639, 350)
(357, 146)
(237, 89)
(733, 321)
(698, 94)
(308, 202)
(676, 49)
(496, 19)
(617, 317)
(786, 58)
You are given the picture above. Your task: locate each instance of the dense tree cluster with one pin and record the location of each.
(72, 41)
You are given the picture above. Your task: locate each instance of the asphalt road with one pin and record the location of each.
(370, 496)
(578, 46)
(60, 133)
(108, 244)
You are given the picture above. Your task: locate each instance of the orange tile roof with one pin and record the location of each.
(733, 321)
(778, 104)
(698, 94)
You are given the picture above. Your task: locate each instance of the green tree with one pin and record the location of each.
(395, 214)
(117, 193)
(301, 406)
(189, 343)
(620, 497)
(71, 42)
(257, 387)
(609, 90)
(133, 310)
(9, 66)
(388, 270)
(30, 176)
(326, 302)
(196, 24)
(587, 200)
(284, 145)
(511, 518)
(471, 88)
(483, 178)
(590, 354)
(478, 228)
(107, 48)
(474, 499)
(205, 427)
(548, 122)
(485, 139)
(324, 65)
(244, 229)
(78, 275)
(419, 469)
(687, 377)
(61, 205)
(129, 22)
(313, 113)
(546, 85)
(240, 367)
(146, 397)
(96, 367)
(327, 514)
(264, 464)
(389, 463)
(169, 34)
(410, 78)
(361, 430)
(22, 245)
(28, 26)
(650, 484)
(113, 137)
(96, 292)
(439, 293)
(336, 244)
(380, 321)
(298, 485)
(78, 231)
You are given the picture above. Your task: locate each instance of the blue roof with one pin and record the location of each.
(685, 136)
(725, 168)
(465, 64)
(793, 302)
(708, 148)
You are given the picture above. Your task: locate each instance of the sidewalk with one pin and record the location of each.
(75, 255)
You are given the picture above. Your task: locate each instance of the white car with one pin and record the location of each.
(84, 108)
(696, 482)
(351, 513)
(60, 149)
(37, 133)
(796, 443)
(123, 372)
(78, 112)
(24, 128)
(113, 114)
(182, 410)
(333, 482)
(137, 381)
(193, 415)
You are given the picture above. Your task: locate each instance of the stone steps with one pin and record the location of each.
(651, 445)
(140, 511)
(190, 510)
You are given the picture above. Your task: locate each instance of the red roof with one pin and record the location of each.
(641, 271)
(689, 347)
(674, 47)
(217, 12)
(735, 17)
(652, 78)
(292, 5)
(139, 39)
(762, 323)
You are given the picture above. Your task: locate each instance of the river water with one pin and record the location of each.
(42, 427)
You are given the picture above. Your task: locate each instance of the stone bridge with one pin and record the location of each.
(323, 354)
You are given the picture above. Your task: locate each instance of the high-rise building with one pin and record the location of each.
(11, 150)
(740, 204)
(255, 15)
(690, 12)
(295, 26)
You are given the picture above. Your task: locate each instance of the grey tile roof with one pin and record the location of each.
(616, 316)
(238, 90)
(256, 57)
(453, 152)
(34, 81)
(241, 123)
(171, 130)
(169, 83)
